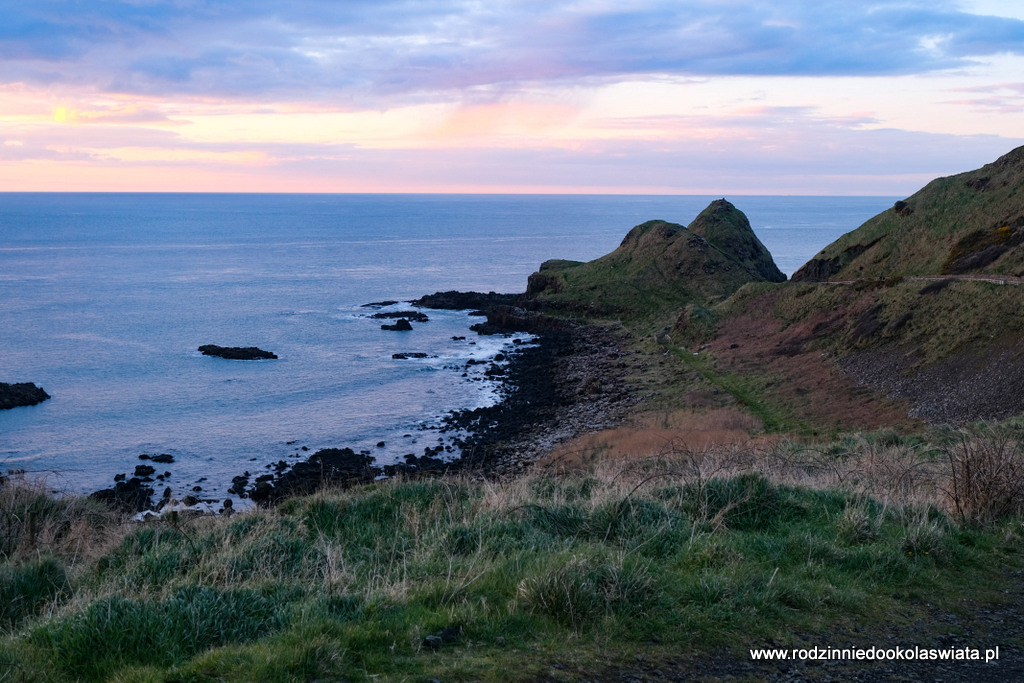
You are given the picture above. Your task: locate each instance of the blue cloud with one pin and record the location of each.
(366, 49)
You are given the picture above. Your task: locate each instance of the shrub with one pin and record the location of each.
(986, 477)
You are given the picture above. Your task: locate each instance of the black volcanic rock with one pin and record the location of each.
(460, 301)
(329, 466)
(130, 497)
(415, 316)
(144, 470)
(20, 394)
(236, 352)
(402, 325)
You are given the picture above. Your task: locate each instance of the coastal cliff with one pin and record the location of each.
(911, 318)
(915, 315)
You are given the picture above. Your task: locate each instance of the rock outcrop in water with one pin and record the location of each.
(463, 301)
(415, 316)
(236, 352)
(20, 394)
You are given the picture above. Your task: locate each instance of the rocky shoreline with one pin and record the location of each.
(571, 381)
(568, 380)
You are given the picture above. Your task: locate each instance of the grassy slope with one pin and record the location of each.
(533, 577)
(947, 221)
(659, 267)
(909, 313)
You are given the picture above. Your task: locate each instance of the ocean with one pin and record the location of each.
(105, 298)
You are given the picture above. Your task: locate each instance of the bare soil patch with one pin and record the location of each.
(800, 377)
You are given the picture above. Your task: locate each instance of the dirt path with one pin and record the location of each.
(994, 279)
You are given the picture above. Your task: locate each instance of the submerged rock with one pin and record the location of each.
(416, 316)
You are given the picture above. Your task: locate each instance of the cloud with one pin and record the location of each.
(758, 150)
(369, 52)
(1001, 98)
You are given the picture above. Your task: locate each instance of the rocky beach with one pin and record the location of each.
(567, 380)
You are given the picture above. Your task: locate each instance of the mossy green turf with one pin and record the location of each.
(575, 569)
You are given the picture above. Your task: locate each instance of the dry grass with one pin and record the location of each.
(682, 545)
(34, 523)
(985, 477)
(661, 432)
(976, 476)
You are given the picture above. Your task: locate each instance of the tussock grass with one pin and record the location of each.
(688, 548)
(32, 521)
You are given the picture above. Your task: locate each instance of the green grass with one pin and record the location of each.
(514, 575)
(961, 316)
(938, 229)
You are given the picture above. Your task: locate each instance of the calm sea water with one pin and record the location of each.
(104, 299)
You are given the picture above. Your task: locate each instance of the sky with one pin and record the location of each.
(826, 97)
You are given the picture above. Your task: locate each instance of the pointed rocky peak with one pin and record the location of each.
(727, 229)
(661, 266)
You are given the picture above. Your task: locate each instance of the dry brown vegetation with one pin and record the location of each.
(33, 522)
(976, 475)
(657, 432)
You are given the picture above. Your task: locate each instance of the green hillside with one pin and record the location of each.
(966, 224)
(661, 266)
